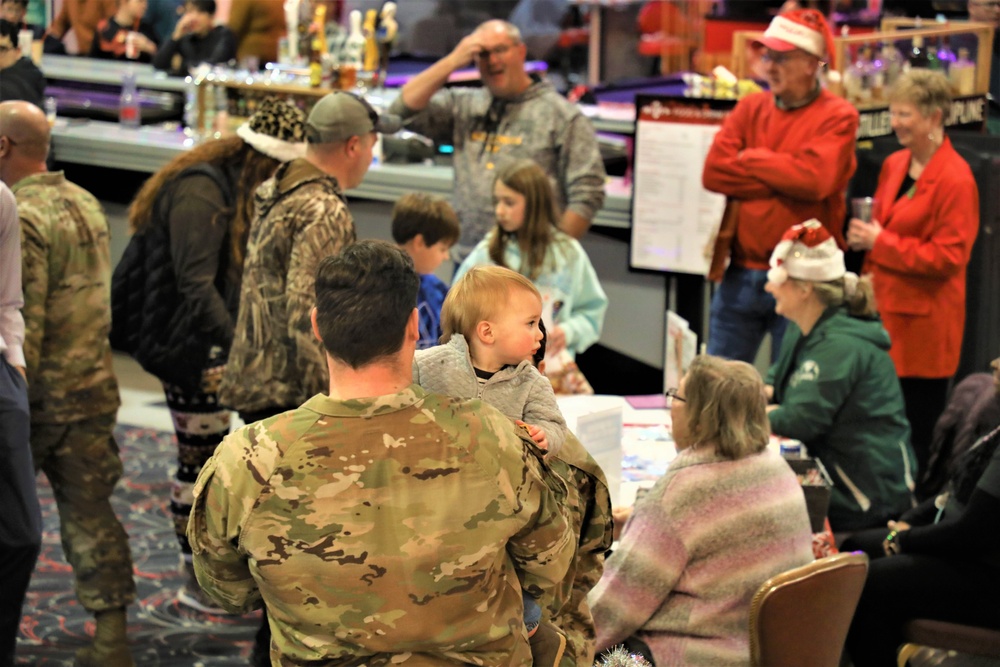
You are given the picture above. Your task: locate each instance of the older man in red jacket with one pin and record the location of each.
(781, 157)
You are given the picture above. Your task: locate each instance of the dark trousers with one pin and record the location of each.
(908, 586)
(741, 314)
(925, 400)
(21, 517)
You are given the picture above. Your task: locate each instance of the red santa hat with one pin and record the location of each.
(804, 29)
(807, 252)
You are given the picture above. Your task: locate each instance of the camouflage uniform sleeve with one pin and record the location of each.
(543, 550)
(223, 497)
(329, 232)
(35, 282)
(596, 532)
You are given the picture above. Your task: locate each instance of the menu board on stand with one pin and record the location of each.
(673, 217)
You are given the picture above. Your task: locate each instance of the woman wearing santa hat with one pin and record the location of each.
(834, 385)
(924, 222)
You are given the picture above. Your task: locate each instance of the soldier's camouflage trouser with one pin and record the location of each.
(82, 464)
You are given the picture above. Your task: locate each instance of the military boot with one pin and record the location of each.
(110, 647)
(547, 646)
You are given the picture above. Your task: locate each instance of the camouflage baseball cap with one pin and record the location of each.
(340, 115)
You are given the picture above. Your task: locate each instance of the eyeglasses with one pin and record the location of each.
(779, 57)
(498, 51)
(672, 395)
(5, 49)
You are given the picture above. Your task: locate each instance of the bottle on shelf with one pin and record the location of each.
(892, 63)
(945, 55)
(371, 43)
(962, 74)
(129, 113)
(858, 77)
(354, 45)
(315, 63)
(918, 53)
(932, 59)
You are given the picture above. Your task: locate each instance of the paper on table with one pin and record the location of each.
(647, 402)
(681, 348)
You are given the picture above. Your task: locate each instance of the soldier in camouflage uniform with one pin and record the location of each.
(72, 390)
(380, 524)
(301, 217)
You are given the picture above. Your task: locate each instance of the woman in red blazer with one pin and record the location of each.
(924, 223)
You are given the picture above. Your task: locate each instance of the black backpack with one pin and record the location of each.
(149, 320)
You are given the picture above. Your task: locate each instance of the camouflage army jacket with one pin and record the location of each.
(66, 274)
(275, 360)
(589, 507)
(397, 529)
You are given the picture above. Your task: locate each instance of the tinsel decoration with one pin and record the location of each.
(620, 657)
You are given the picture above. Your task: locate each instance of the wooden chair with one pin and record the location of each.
(966, 639)
(801, 617)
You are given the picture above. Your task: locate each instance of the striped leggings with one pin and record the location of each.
(200, 424)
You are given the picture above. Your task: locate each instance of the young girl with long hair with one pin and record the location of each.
(527, 240)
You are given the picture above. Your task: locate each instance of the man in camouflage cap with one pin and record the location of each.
(380, 524)
(301, 217)
(72, 390)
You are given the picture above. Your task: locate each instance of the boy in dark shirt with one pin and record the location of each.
(426, 227)
(125, 36)
(196, 40)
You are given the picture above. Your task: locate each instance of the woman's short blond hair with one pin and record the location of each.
(479, 295)
(926, 89)
(725, 404)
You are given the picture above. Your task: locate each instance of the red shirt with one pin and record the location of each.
(918, 262)
(783, 167)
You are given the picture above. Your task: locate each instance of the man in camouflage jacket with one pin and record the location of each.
(301, 216)
(381, 524)
(72, 390)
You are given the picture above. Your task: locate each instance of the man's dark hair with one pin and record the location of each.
(428, 215)
(23, 3)
(8, 29)
(203, 6)
(364, 298)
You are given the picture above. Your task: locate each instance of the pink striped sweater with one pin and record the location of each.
(696, 549)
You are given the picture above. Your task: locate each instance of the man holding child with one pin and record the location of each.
(381, 522)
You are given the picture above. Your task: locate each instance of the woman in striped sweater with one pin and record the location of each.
(726, 516)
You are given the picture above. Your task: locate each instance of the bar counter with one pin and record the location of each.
(147, 148)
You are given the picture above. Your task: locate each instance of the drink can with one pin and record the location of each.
(791, 449)
(131, 52)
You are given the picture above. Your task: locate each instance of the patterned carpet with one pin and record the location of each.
(162, 633)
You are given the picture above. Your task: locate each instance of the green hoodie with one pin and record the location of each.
(838, 393)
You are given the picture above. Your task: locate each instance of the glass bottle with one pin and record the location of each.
(892, 63)
(918, 53)
(932, 58)
(129, 113)
(945, 55)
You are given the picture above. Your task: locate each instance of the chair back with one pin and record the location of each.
(801, 617)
